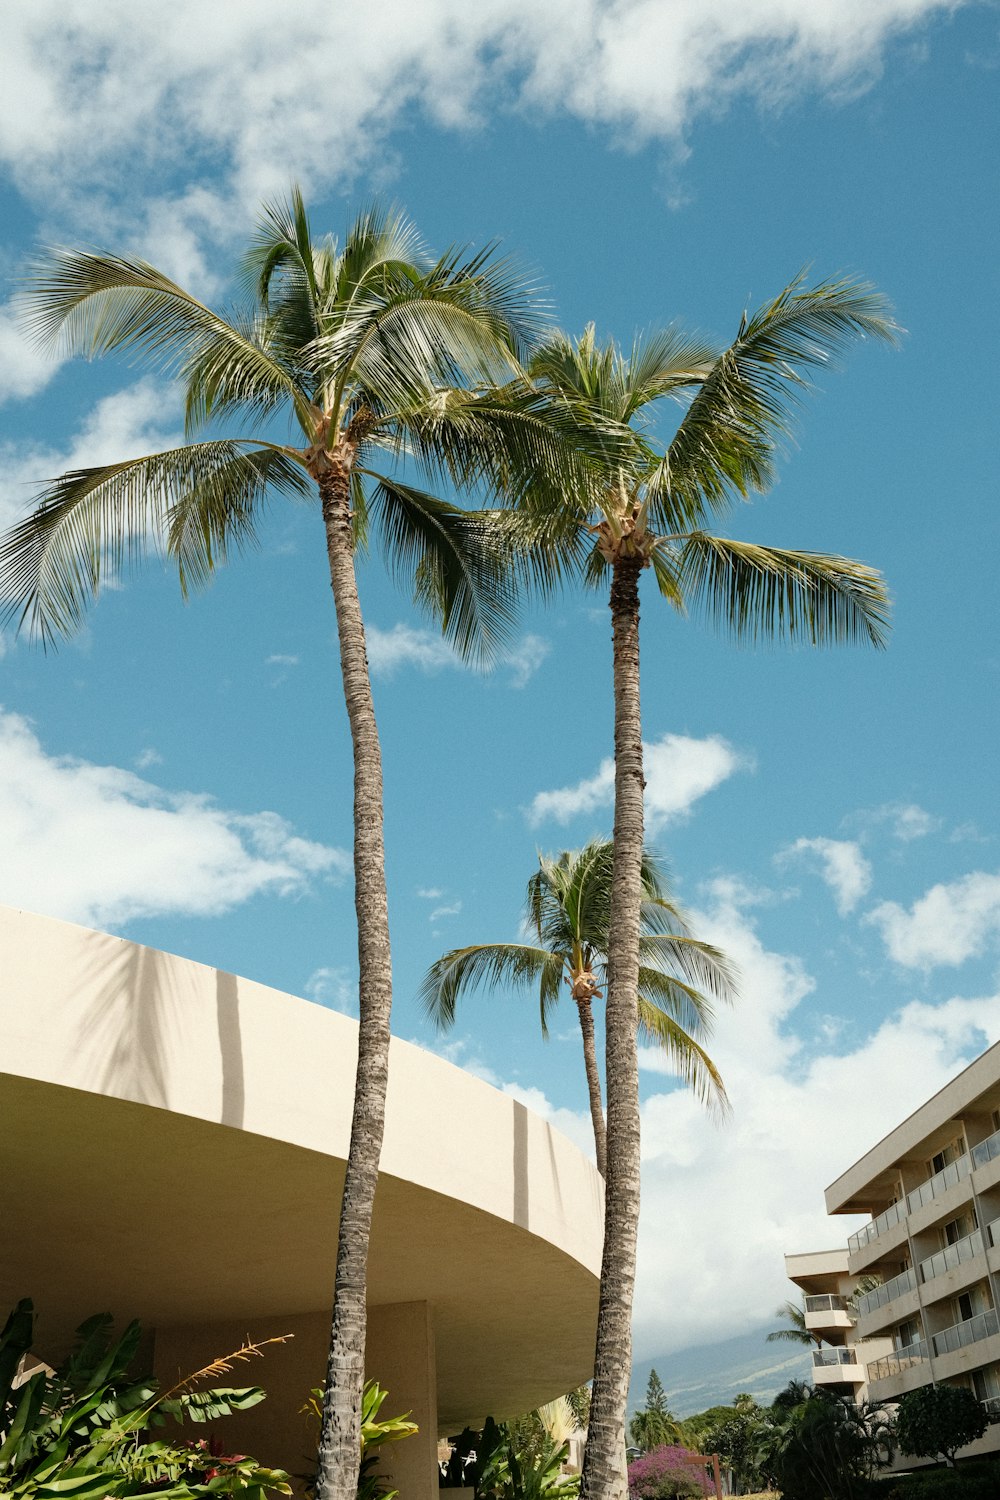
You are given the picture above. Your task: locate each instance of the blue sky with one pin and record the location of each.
(182, 774)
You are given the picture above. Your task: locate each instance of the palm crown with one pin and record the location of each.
(373, 350)
(568, 910)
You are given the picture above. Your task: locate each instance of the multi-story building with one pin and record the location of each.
(930, 1253)
(841, 1357)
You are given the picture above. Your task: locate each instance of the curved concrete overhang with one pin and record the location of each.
(172, 1147)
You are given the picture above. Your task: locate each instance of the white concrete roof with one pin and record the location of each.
(172, 1147)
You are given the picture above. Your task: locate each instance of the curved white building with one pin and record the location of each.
(172, 1148)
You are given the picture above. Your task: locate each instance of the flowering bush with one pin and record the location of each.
(667, 1473)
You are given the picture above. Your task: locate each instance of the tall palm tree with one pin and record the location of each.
(373, 350)
(567, 909)
(653, 511)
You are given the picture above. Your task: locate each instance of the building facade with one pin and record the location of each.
(926, 1265)
(841, 1357)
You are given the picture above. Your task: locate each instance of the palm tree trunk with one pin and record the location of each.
(340, 1435)
(586, 1013)
(604, 1468)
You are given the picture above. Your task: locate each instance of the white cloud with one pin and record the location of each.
(333, 987)
(146, 758)
(92, 91)
(124, 425)
(451, 910)
(428, 651)
(429, 892)
(280, 659)
(678, 770)
(722, 1204)
(905, 820)
(100, 845)
(947, 925)
(840, 863)
(24, 369)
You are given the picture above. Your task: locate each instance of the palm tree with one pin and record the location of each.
(652, 511)
(567, 909)
(796, 1331)
(373, 349)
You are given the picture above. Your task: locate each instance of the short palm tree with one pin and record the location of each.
(567, 910)
(796, 1331)
(374, 352)
(654, 510)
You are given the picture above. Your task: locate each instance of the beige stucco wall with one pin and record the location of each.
(173, 1149)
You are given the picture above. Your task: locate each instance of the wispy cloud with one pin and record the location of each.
(426, 650)
(451, 910)
(947, 925)
(279, 659)
(86, 88)
(160, 852)
(334, 987)
(679, 770)
(24, 368)
(839, 863)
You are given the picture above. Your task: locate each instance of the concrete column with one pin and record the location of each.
(401, 1357)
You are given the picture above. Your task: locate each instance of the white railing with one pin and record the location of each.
(952, 1255)
(969, 1332)
(903, 1359)
(887, 1292)
(892, 1215)
(939, 1183)
(826, 1303)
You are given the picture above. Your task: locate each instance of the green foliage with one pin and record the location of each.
(936, 1420)
(655, 1425)
(513, 1461)
(82, 1431)
(376, 1432)
(969, 1481)
(796, 1332)
(816, 1444)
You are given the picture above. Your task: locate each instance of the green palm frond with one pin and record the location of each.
(759, 592)
(94, 304)
(688, 1057)
(92, 523)
(451, 560)
(488, 964)
(701, 964)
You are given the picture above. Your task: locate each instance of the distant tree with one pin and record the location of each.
(936, 1420)
(655, 1426)
(796, 1332)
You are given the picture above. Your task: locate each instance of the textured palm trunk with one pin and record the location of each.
(340, 1436)
(604, 1466)
(586, 1013)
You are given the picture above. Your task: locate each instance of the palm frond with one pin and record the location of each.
(487, 965)
(91, 523)
(701, 964)
(756, 592)
(690, 1061)
(94, 304)
(451, 560)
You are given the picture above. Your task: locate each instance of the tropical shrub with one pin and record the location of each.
(969, 1481)
(666, 1472)
(376, 1431)
(82, 1431)
(515, 1461)
(936, 1420)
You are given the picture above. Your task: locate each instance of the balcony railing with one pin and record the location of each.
(820, 1304)
(986, 1150)
(887, 1292)
(892, 1215)
(939, 1183)
(993, 1233)
(969, 1332)
(991, 1406)
(903, 1359)
(952, 1256)
(834, 1357)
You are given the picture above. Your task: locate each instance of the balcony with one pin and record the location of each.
(986, 1150)
(952, 1255)
(822, 1304)
(836, 1366)
(894, 1214)
(902, 1359)
(982, 1326)
(991, 1406)
(939, 1183)
(887, 1292)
